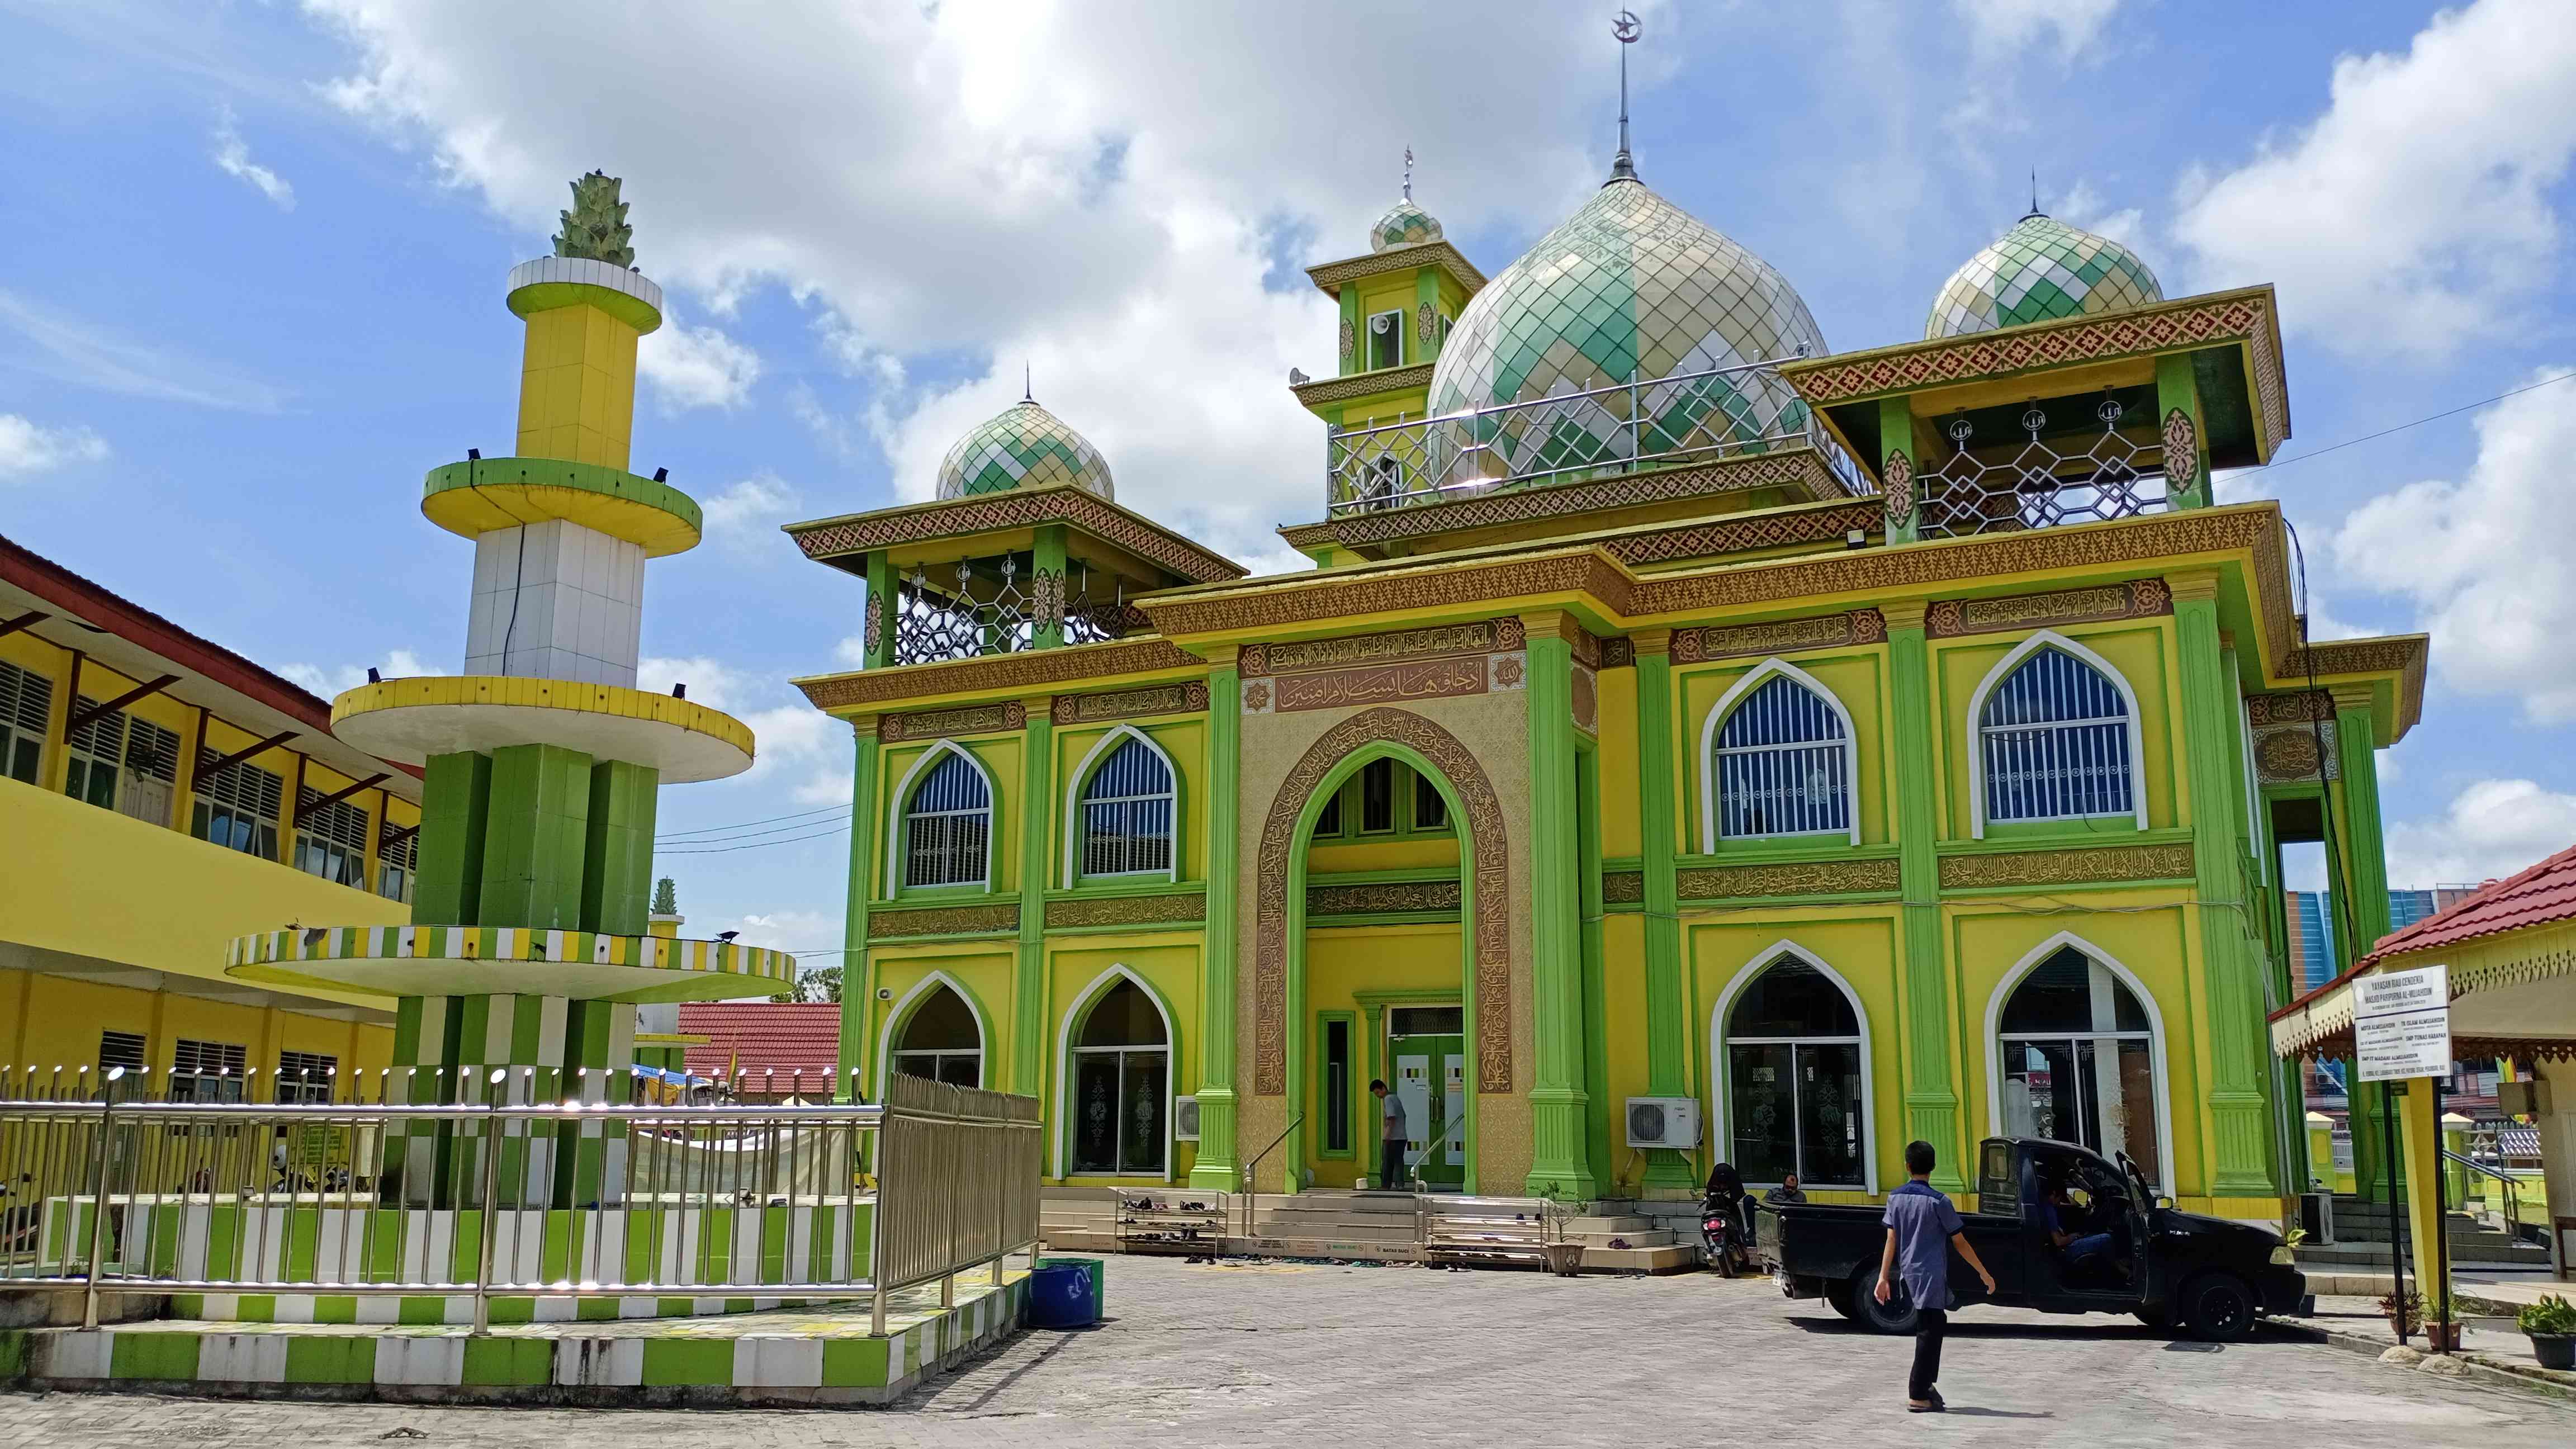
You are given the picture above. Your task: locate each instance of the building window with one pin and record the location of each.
(1377, 797)
(942, 1042)
(1127, 809)
(206, 1071)
(237, 809)
(1795, 1099)
(120, 1049)
(1383, 797)
(2078, 1053)
(1430, 807)
(330, 840)
(1386, 340)
(2055, 738)
(1121, 1069)
(396, 861)
(306, 1076)
(1337, 1084)
(1329, 823)
(123, 764)
(26, 705)
(948, 826)
(1783, 764)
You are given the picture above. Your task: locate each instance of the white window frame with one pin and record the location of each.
(1077, 827)
(1083, 1001)
(1368, 325)
(1736, 694)
(913, 999)
(2155, 1046)
(898, 833)
(2051, 639)
(24, 685)
(1722, 1087)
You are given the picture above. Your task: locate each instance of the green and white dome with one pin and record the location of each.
(2040, 270)
(1023, 446)
(1403, 224)
(1632, 286)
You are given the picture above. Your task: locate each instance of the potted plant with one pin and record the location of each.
(2551, 1326)
(2405, 1312)
(1564, 1255)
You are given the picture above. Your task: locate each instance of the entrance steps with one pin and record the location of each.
(2359, 1224)
(1376, 1227)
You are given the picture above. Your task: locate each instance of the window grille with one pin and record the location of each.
(2055, 734)
(26, 703)
(305, 1076)
(1782, 764)
(237, 809)
(120, 1049)
(948, 828)
(1127, 813)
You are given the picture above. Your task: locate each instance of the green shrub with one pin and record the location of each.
(2553, 1314)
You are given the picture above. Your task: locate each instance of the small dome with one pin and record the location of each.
(1023, 446)
(2040, 270)
(1404, 224)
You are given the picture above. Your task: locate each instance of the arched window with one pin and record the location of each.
(1796, 1100)
(942, 1042)
(2055, 741)
(1121, 1068)
(948, 826)
(1782, 766)
(2078, 1054)
(1127, 813)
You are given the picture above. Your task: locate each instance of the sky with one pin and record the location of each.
(252, 270)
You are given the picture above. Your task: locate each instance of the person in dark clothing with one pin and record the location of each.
(1391, 1136)
(1922, 1227)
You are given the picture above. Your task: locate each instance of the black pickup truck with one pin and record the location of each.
(2170, 1269)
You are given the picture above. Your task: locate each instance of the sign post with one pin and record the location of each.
(2401, 1029)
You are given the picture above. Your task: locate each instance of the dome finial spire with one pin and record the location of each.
(1028, 385)
(2034, 193)
(1624, 26)
(1408, 173)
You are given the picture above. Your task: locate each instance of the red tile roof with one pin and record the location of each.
(2543, 895)
(776, 1038)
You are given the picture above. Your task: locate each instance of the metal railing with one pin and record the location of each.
(1251, 1184)
(493, 1192)
(2512, 1188)
(1684, 417)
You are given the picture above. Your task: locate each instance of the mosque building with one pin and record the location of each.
(1691, 743)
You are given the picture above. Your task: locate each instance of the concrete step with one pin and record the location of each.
(1621, 1223)
(2375, 1255)
(1630, 1238)
(1264, 1246)
(1666, 1259)
(1074, 1240)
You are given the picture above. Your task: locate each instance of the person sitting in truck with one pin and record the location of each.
(2079, 1251)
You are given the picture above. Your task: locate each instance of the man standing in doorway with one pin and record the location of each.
(1390, 1137)
(1922, 1227)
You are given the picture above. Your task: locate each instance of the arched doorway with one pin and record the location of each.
(942, 1040)
(1118, 1074)
(1793, 1074)
(2078, 1056)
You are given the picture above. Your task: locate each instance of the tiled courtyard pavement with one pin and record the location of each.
(1331, 1356)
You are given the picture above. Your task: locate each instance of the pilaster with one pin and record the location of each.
(2365, 877)
(858, 993)
(1035, 814)
(2186, 433)
(1047, 584)
(1216, 1168)
(1899, 469)
(1931, 1093)
(877, 626)
(537, 829)
(1557, 1100)
(1667, 1007)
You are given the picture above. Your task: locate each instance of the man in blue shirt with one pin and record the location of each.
(1922, 1227)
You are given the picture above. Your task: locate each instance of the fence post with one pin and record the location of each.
(98, 1197)
(491, 1193)
(1008, 1139)
(950, 1140)
(876, 1226)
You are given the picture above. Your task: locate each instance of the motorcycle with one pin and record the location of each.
(1721, 1239)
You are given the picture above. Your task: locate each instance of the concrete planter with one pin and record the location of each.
(1563, 1258)
(2554, 1350)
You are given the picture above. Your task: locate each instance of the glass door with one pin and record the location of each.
(1430, 1080)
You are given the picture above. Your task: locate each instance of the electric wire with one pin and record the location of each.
(741, 824)
(744, 836)
(839, 829)
(2401, 427)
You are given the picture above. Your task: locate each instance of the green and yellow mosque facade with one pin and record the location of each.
(1692, 743)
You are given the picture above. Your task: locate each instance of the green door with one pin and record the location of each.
(1431, 1082)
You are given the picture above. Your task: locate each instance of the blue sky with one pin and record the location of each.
(250, 289)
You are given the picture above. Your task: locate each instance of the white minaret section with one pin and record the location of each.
(555, 600)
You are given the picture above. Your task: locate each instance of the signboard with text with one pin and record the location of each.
(2401, 1024)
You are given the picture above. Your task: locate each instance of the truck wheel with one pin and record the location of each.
(1894, 1316)
(1838, 1296)
(2218, 1307)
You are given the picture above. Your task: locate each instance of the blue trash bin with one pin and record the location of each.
(1064, 1293)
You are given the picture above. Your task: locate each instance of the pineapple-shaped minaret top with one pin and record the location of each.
(596, 226)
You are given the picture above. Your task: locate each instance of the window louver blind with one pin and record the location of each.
(244, 787)
(26, 700)
(339, 822)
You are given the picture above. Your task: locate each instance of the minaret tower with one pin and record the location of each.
(531, 943)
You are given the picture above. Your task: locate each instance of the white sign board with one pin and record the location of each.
(2401, 1024)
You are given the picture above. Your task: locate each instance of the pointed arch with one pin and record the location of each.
(1736, 694)
(1098, 755)
(901, 796)
(1720, 1094)
(1061, 1139)
(2156, 1044)
(2003, 670)
(918, 996)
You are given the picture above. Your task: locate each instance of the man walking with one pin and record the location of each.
(1922, 1227)
(1390, 1137)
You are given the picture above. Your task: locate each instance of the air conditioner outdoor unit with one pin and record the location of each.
(1663, 1122)
(1185, 1119)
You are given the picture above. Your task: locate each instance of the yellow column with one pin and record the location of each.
(2420, 1137)
(2321, 1169)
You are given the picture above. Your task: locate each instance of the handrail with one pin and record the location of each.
(1434, 1146)
(2512, 1187)
(1251, 1193)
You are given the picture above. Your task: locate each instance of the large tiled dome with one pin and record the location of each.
(1403, 224)
(1023, 446)
(1632, 286)
(2040, 270)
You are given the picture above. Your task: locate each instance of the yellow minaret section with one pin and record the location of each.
(577, 378)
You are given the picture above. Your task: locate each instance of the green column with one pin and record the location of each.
(2240, 1153)
(1047, 572)
(1217, 1168)
(617, 854)
(1557, 1158)
(454, 799)
(1667, 1004)
(1898, 464)
(1037, 801)
(2178, 416)
(1426, 292)
(1931, 1091)
(2365, 919)
(857, 994)
(1597, 1121)
(536, 830)
(876, 627)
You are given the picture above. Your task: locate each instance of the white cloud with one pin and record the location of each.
(2415, 213)
(2084, 207)
(60, 345)
(749, 508)
(711, 682)
(781, 930)
(2492, 829)
(341, 678)
(852, 651)
(2003, 27)
(232, 157)
(27, 449)
(696, 367)
(2485, 557)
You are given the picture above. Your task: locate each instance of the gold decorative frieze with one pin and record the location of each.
(1787, 878)
(2298, 707)
(1179, 909)
(2136, 599)
(1486, 636)
(2286, 754)
(1185, 697)
(1366, 669)
(2060, 866)
(1619, 653)
(1856, 626)
(940, 724)
(842, 541)
(944, 921)
(1030, 671)
(1361, 384)
(1798, 469)
(1623, 887)
(1383, 898)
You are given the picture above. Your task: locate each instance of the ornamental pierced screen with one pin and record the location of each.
(2056, 741)
(2085, 477)
(999, 606)
(1780, 766)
